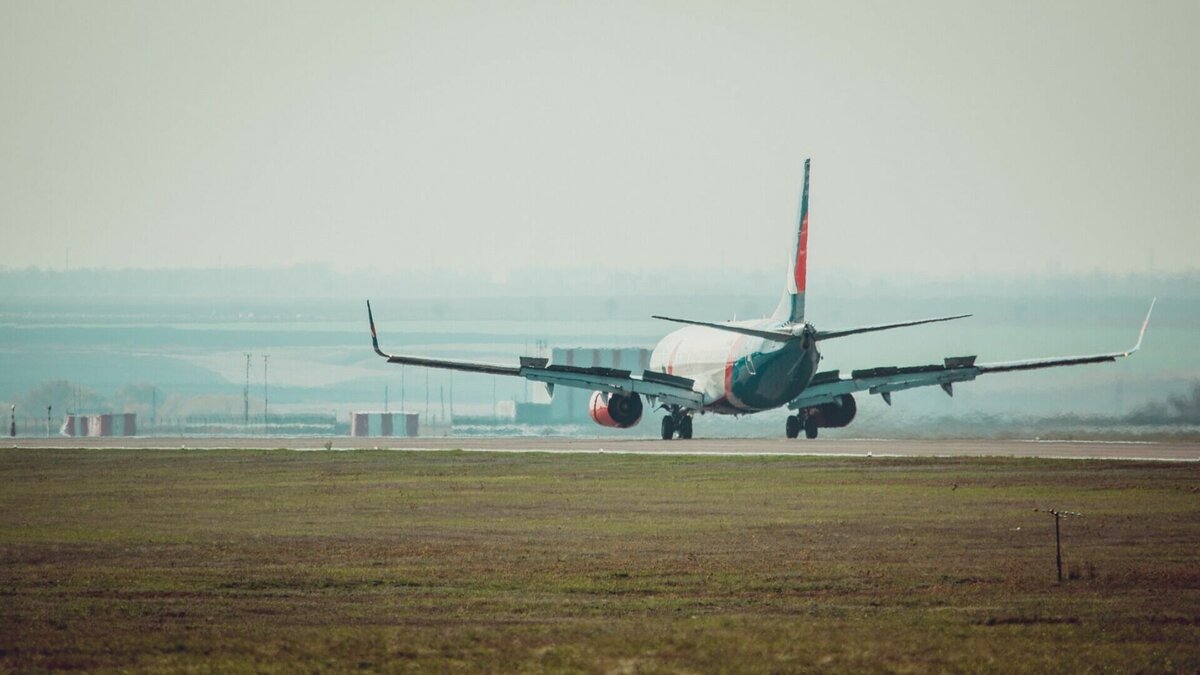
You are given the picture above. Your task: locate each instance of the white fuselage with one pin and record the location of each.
(731, 369)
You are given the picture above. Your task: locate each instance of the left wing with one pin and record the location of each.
(826, 387)
(670, 389)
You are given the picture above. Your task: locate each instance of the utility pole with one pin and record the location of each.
(246, 398)
(1058, 515)
(266, 401)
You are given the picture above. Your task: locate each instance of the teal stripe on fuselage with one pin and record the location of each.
(765, 380)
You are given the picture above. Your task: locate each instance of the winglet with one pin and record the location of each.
(374, 337)
(1142, 332)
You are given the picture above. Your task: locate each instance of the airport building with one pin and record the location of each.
(124, 424)
(384, 424)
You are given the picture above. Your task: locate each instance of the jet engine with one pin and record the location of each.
(837, 414)
(615, 410)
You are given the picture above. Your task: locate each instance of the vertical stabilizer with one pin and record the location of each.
(791, 307)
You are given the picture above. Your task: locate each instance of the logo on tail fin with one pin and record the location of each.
(791, 307)
(802, 255)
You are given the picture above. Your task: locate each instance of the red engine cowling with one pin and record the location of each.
(837, 414)
(615, 410)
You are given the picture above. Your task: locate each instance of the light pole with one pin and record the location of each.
(266, 401)
(12, 424)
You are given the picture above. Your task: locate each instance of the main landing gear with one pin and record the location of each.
(677, 421)
(796, 422)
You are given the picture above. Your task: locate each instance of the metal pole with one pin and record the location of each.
(246, 398)
(266, 403)
(12, 425)
(1057, 547)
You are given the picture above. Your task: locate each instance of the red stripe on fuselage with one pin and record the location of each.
(733, 356)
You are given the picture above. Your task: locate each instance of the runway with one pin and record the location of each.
(1158, 451)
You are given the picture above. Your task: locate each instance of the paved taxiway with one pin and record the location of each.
(1165, 451)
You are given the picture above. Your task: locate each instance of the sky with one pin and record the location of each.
(947, 138)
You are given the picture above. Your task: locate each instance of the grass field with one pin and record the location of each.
(280, 560)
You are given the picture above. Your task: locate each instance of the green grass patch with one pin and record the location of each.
(275, 560)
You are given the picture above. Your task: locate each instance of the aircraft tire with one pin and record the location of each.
(668, 428)
(685, 428)
(810, 429)
(793, 426)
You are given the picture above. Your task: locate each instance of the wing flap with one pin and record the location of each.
(885, 380)
(618, 382)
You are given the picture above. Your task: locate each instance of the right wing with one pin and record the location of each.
(798, 331)
(828, 386)
(669, 389)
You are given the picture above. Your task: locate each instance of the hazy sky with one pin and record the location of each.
(946, 137)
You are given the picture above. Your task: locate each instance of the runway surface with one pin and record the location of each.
(1161, 451)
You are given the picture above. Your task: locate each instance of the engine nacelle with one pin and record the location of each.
(615, 410)
(837, 414)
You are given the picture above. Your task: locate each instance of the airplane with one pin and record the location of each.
(745, 367)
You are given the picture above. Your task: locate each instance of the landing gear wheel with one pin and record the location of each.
(810, 428)
(793, 426)
(685, 427)
(668, 428)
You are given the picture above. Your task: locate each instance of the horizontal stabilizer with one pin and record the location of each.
(830, 334)
(777, 335)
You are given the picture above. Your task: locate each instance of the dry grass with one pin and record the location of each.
(228, 560)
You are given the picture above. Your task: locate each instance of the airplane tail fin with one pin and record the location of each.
(791, 306)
